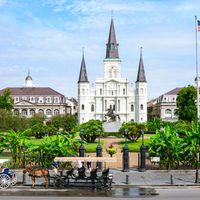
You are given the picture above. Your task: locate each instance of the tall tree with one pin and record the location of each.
(6, 101)
(186, 103)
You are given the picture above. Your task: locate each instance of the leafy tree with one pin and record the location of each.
(39, 130)
(90, 130)
(181, 127)
(66, 122)
(10, 121)
(6, 101)
(65, 144)
(186, 106)
(37, 118)
(69, 122)
(154, 124)
(14, 140)
(167, 146)
(133, 130)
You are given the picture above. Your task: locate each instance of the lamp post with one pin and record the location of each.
(99, 150)
(24, 154)
(197, 165)
(81, 148)
(24, 163)
(142, 155)
(125, 154)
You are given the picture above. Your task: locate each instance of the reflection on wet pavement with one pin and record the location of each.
(77, 192)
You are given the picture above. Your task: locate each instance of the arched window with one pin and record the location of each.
(32, 112)
(83, 91)
(16, 112)
(168, 113)
(24, 112)
(48, 112)
(124, 91)
(41, 111)
(56, 112)
(141, 107)
(141, 90)
(82, 107)
(92, 108)
(132, 108)
(100, 91)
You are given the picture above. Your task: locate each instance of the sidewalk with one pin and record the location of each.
(136, 178)
(155, 177)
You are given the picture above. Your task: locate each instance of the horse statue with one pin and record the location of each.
(37, 172)
(111, 115)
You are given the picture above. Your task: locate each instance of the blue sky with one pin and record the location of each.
(47, 36)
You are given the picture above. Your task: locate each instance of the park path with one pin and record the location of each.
(133, 157)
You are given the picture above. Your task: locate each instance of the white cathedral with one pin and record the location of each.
(112, 91)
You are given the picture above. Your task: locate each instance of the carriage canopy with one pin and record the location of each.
(85, 159)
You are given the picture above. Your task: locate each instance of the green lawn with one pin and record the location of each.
(135, 146)
(91, 147)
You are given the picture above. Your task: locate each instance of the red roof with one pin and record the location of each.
(174, 91)
(32, 91)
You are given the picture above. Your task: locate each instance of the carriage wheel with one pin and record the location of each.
(5, 181)
(59, 182)
(14, 179)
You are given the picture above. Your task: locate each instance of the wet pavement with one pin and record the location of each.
(116, 192)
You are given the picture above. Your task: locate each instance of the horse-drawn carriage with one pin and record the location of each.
(77, 176)
(7, 177)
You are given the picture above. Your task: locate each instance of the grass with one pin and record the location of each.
(135, 146)
(91, 147)
(5, 155)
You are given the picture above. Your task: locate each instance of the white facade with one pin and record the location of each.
(112, 91)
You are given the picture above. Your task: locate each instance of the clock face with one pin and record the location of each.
(112, 85)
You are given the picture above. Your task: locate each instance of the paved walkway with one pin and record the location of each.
(133, 157)
(136, 178)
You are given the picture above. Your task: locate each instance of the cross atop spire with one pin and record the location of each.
(141, 73)
(83, 73)
(112, 45)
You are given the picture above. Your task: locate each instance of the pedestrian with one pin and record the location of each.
(89, 164)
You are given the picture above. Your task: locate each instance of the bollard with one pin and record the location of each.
(127, 179)
(171, 179)
(24, 178)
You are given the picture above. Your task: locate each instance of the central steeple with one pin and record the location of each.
(112, 45)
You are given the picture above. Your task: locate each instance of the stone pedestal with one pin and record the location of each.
(111, 127)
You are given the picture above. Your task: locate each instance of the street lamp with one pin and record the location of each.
(125, 153)
(197, 165)
(24, 162)
(24, 154)
(81, 148)
(142, 155)
(99, 149)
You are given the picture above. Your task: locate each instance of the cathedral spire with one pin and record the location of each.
(141, 73)
(83, 73)
(112, 45)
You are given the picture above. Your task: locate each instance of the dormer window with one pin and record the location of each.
(48, 100)
(56, 100)
(24, 98)
(32, 99)
(16, 99)
(40, 100)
